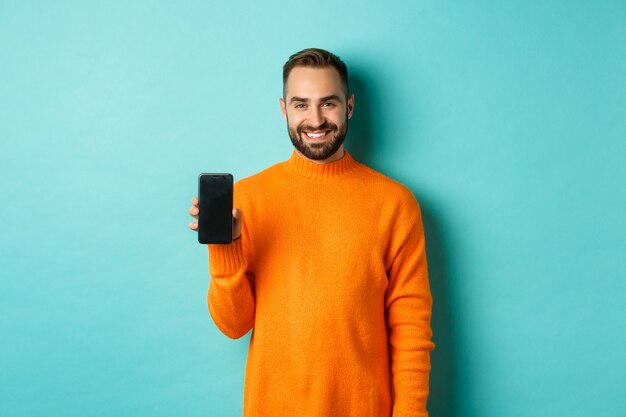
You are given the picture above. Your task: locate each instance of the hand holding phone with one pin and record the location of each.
(218, 221)
(237, 216)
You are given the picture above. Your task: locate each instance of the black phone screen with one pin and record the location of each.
(215, 220)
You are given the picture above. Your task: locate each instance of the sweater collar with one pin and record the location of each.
(303, 167)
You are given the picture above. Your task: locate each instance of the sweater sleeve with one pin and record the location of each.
(408, 305)
(231, 298)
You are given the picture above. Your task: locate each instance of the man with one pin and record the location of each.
(328, 268)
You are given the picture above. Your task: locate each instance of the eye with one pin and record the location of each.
(299, 106)
(329, 104)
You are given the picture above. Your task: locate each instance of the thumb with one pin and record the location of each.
(237, 216)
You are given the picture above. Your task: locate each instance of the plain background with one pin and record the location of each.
(506, 120)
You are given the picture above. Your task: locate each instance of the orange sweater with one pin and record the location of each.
(330, 273)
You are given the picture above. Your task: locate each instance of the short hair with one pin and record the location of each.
(316, 58)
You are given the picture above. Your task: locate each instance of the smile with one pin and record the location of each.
(317, 135)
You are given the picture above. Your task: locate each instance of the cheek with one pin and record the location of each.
(293, 123)
(338, 117)
(294, 120)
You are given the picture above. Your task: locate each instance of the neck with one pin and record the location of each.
(334, 157)
(321, 171)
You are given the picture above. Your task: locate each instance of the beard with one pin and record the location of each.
(319, 150)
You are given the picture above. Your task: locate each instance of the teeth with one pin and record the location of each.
(315, 135)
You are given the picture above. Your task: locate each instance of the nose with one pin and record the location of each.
(317, 118)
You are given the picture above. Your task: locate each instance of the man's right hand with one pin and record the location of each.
(237, 217)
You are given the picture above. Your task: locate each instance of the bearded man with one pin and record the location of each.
(327, 268)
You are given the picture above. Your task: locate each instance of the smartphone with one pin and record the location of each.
(215, 201)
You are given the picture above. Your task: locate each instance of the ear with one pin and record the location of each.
(283, 108)
(350, 106)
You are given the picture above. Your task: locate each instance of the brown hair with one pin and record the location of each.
(316, 58)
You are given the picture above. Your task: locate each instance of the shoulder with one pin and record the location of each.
(391, 189)
(261, 178)
(255, 184)
(397, 206)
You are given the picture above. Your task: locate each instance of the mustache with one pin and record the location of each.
(323, 126)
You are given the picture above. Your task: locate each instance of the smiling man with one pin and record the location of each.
(317, 111)
(327, 267)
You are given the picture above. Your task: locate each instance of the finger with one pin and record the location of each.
(193, 211)
(193, 226)
(194, 201)
(237, 220)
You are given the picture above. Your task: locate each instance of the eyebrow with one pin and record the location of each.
(327, 98)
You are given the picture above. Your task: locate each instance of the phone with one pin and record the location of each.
(215, 220)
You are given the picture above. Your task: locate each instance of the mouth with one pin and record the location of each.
(317, 135)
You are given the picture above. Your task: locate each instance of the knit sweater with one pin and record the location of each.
(330, 274)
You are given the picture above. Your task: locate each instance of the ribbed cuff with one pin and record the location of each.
(225, 259)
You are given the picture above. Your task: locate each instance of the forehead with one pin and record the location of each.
(308, 82)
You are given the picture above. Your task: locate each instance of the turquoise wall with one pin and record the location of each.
(506, 119)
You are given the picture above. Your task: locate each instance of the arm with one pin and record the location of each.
(408, 306)
(231, 298)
